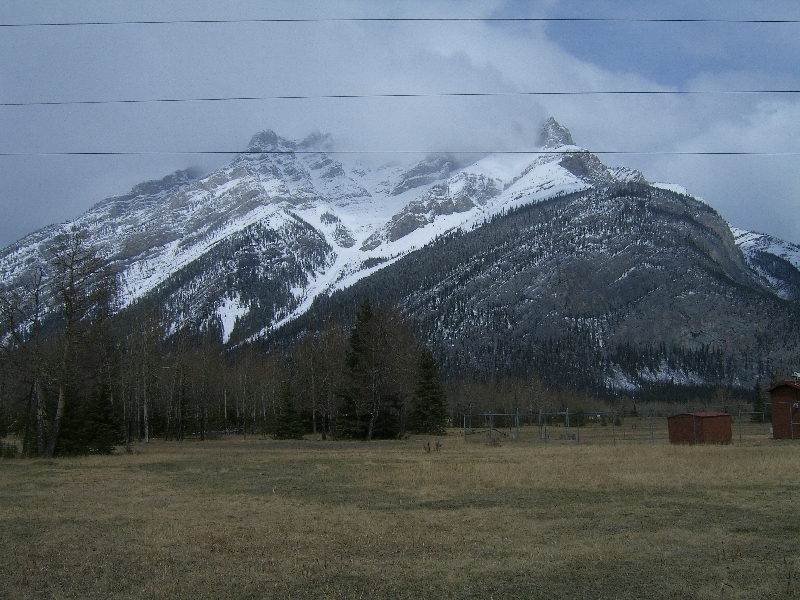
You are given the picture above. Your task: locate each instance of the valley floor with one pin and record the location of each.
(256, 518)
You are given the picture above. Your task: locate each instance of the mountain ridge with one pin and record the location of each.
(253, 246)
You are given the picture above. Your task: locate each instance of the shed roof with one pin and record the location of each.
(795, 383)
(702, 414)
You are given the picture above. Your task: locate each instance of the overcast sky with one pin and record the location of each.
(186, 60)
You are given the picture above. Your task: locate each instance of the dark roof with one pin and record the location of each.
(795, 383)
(702, 414)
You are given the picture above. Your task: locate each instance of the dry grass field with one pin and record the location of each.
(256, 518)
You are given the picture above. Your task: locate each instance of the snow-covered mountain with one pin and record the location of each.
(302, 220)
(777, 261)
(287, 224)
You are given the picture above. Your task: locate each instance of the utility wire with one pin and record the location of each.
(399, 95)
(403, 20)
(378, 152)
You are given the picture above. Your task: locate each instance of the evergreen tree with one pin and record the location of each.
(380, 365)
(91, 426)
(351, 423)
(428, 413)
(289, 424)
(366, 365)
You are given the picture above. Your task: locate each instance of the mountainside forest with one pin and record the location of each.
(620, 288)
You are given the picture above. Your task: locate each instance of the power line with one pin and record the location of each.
(404, 20)
(399, 95)
(379, 152)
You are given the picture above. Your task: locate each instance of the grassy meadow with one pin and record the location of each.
(610, 517)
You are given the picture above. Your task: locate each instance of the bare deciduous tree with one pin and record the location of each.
(81, 284)
(21, 311)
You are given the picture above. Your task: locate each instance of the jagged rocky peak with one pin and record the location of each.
(627, 175)
(317, 141)
(268, 140)
(178, 178)
(554, 135)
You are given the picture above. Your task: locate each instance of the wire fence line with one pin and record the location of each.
(599, 427)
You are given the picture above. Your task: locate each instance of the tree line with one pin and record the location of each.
(78, 375)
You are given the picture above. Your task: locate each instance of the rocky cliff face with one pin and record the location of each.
(554, 135)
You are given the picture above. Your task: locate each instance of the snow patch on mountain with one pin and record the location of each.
(666, 374)
(230, 310)
(621, 381)
(371, 210)
(672, 187)
(751, 241)
(776, 261)
(146, 274)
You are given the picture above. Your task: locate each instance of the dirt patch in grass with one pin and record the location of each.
(259, 519)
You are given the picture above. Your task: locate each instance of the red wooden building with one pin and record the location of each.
(785, 397)
(700, 428)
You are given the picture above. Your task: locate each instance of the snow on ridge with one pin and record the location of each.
(753, 241)
(346, 198)
(357, 214)
(145, 275)
(672, 187)
(503, 168)
(540, 182)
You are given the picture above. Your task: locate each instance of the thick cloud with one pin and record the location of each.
(341, 57)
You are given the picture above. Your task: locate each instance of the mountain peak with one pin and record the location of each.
(268, 140)
(317, 141)
(554, 135)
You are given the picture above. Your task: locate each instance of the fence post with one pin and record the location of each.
(740, 423)
(540, 424)
(652, 432)
(518, 423)
(614, 427)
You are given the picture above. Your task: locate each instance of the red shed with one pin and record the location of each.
(700, 428)
(785, 409)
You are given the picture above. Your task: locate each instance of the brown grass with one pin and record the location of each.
(264, 519)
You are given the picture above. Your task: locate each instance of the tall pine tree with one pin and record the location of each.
(380, 367)
(91, 425)
(289, 424)
(428, 413)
